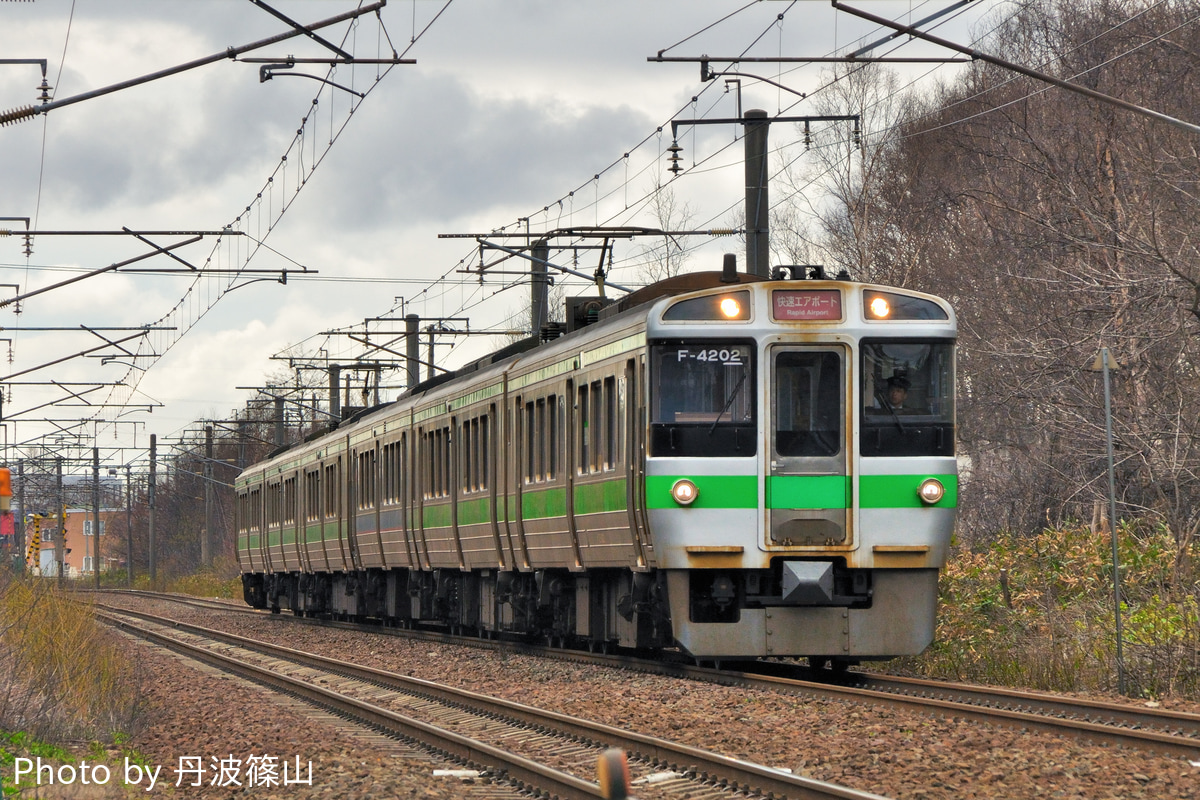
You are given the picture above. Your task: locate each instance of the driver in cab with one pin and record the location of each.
(894, 399)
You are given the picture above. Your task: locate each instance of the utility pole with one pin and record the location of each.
(20, 523)
(335, 393)
(758, 206)
(59, 551)
(128, 526)
(757, 124)
(206, 537)
(412, 349)
(280, 430)
(151, 545)
(95, 514)
(539, 296)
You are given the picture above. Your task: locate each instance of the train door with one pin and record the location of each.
(808, 477)
(488, 458)
(422, 461)
(454, 487)
(634, 459)
(310, 504)
(519, 457)
(407, 503)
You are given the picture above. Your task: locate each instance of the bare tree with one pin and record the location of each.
(666, 256)
(1061, 225)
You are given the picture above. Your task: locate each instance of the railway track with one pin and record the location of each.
(1170, 732)
(538, 750)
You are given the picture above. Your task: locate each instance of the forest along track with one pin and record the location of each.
(541, 750)
(1170, 732)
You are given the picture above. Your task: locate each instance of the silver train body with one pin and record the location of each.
(718, 465)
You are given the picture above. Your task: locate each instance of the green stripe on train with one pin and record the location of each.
(596, 498)
(474, 512)
(900, 491)
(715, 491)
(800, 491)
(808, 491)
(543, 504)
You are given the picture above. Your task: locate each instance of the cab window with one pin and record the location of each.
(702, 398)
(907, 398)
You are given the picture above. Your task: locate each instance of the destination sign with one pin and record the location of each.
(803, 305)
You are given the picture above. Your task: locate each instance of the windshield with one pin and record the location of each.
(907, 398)
(702, 398)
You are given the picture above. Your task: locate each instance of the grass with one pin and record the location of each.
(65, 678)
(1038, 611)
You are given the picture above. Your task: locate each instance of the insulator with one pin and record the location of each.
(16, 115)
(675, 150)
(722, 232)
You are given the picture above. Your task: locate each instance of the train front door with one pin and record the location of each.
(808, 479)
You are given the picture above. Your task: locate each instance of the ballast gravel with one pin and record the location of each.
(205, 715)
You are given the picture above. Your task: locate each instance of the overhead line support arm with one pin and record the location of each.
(912, 30)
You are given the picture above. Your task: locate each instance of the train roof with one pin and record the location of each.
(611, 317)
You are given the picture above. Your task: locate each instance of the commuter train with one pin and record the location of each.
(718, 464)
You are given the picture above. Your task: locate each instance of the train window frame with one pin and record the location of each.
(925, 429)
(474, 450)
(610, 423)
(312, 494)
(711, 432)
(582, 395)
(332, 496)
(812, 428)
(289, 500)
(390, 490)
(256, 510)
(485, 450)
(364, 487)
(597, 433)
(540, 418)
(466, 457)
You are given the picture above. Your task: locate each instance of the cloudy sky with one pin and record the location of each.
(516, 110)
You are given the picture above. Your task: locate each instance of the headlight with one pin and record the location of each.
(879, 308)
(731, 308)
(684, 492)
(931, 491)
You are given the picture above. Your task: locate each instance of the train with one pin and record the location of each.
(719, 465)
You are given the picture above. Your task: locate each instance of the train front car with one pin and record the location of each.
(800, 476)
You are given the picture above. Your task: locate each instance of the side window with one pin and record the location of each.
(289, 501)
(551, 443)
(482, 460)
(332, 501)
(312, 495)
(365, 485)
(610, 423)
(473, 452)
(540, 439)
(584, 440)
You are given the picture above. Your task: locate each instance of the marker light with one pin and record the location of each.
(931, 491)
(684, 492)
(879, 308)
(731, 308)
